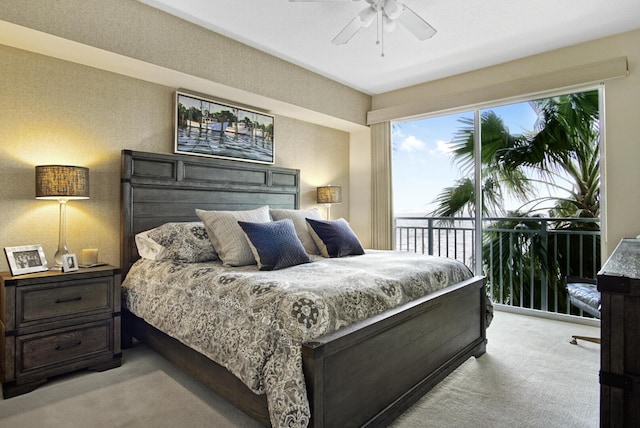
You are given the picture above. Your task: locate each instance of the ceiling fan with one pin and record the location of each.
(388, 14)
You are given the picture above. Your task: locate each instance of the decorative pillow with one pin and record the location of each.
(184, 242)
(275, 245)
(334, 238)
(300, 223)
(227, 236)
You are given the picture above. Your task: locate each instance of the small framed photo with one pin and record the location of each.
(26, 259)
(69, 263)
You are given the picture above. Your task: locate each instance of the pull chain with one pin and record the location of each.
(380, 32)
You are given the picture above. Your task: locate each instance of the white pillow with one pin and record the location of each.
(148, 248)
(227, 236)
(299, 218)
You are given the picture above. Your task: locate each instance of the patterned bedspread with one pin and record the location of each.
(253, 322)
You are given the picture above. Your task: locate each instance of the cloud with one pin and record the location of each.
(412, 144)
(444, 146)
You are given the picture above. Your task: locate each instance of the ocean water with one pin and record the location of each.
(226, 144)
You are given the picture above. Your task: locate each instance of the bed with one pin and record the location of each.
(363, 374)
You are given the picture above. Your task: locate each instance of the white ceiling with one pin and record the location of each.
(471, 34)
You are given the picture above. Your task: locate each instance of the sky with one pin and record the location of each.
(422, 164)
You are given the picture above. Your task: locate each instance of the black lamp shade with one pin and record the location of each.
(62, 182)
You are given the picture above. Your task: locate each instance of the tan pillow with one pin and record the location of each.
(227, 236)
(299, 218)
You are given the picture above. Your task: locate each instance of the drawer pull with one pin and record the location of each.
(73, 299)
(69, 345)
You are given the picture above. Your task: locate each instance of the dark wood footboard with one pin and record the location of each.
(370, 372)
(365, 374)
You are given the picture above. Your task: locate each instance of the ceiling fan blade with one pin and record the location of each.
(415, 24)
(348, 32)
(363, 20)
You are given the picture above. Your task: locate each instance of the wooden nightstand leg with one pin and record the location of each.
(12, 389)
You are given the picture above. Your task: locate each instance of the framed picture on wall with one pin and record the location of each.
(26, 259)
(205, 127)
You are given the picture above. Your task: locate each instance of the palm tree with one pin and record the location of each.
(498, 179)
(565, 141)
(563, 146)
(562, 149)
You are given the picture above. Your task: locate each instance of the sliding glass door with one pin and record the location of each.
(531, 167)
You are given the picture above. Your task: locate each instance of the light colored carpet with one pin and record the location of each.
(530, 377)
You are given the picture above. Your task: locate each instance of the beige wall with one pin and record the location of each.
(360, 185)
(621, 175)
(54, 111)
(134, 30)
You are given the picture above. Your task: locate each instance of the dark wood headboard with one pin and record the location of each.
(161, 188)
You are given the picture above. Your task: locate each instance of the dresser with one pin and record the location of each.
(54, 323)
(619, 284)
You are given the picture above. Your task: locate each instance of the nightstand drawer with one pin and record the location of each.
(75, 298)
(44, 350)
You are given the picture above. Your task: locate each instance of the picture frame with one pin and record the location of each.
(69, 263)
(26, 259)
(206, 127)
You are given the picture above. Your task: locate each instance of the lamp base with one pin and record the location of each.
(62, 237)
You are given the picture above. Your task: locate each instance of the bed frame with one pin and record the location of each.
(365, 374)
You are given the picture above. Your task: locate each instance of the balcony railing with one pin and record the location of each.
(525, 259)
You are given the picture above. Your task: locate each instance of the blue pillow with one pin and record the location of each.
(335, 238)
(275, 244)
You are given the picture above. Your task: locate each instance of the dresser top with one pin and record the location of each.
(624, 262)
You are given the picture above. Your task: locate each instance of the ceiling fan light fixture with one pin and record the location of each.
(388, 15)
(389, 25)
(392, 9)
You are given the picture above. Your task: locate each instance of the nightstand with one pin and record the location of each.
(54, 323)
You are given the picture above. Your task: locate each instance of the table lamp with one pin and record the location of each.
(62, 183)
(329, 195)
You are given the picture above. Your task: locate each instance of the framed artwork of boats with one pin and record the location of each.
(211, 128)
